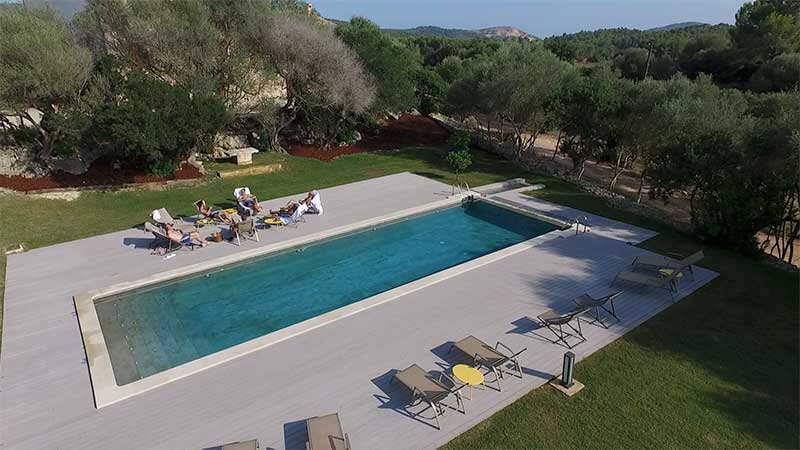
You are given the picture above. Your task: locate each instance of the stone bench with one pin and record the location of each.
(243, 156)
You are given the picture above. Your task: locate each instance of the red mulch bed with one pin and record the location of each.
(407, 131)
(97, 175)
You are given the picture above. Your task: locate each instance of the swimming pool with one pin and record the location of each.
(153, 329)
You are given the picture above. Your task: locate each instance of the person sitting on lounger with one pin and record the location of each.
(313, 201)
(218, 215)
(184, 238)
(249, 201)
(292, 216)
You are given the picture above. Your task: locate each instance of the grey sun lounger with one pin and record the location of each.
(423, 387)
(489, 357)
(650, 279)
(605, 304)
(672, 261)
(555, 322)
(160, 235)
(163, 217)
(326, 433)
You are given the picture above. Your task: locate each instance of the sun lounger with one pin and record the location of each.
(673, 261)
(245, 209)
(161, 235)
(656, 279)
(162, 217)
(326, 433)
(605, 304)
(555, 322)
(424, 387)
(492, 358)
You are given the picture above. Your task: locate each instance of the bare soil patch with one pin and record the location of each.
(97, 175)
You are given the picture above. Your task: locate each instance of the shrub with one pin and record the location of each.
(459, 161)
(163, 169)
(347, 136)
(153, 122)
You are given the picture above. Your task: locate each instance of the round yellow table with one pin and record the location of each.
(667, 272)
(468, 375)
(273, 221)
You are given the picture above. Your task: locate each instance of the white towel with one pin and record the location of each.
(316, 203)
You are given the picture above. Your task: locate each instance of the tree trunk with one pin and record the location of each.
(617, 171)
(558, 144)
(582, 169)
(641, 185)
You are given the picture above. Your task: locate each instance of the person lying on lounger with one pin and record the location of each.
(287, 210)
(218, 215)
(184, 238)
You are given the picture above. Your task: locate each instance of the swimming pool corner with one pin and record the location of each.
(101, 373)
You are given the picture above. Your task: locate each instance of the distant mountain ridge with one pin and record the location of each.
(677, 26)
(458, 33)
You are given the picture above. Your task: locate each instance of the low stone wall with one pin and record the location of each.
(531, 162)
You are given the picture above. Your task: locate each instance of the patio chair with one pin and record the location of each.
(424, 387)
(326, 433)
(599, 304)
(672, 261)
(245, 229)
(246, 445)
(555, 322)
(658, 280)
(161, 235)
(489, 357)
(244, 209)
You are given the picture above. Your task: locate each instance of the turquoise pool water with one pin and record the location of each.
(156, 328)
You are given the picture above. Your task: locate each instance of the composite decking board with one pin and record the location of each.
(46, 397)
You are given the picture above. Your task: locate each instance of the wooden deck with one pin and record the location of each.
(46, 396)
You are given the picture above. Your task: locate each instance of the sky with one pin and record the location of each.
(540, 18)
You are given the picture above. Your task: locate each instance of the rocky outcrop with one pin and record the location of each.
(18, 162)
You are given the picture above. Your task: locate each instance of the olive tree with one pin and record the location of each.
(325, 81)
(42, 67)
(521, 80)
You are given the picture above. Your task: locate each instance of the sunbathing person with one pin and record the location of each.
(296, 213)
(287, 210)
(218, 215)
(250, 201)
(184, 238)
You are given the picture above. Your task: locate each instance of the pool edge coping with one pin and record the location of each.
(104, 387)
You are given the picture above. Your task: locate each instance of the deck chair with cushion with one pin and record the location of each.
(290, 221)
(162, 217)
(604, 304)
(555, 322)
(492, 358)
(245, 206)
(672, 261)
(245, 229)
(423, 387)
(326, 433)
(656, 279)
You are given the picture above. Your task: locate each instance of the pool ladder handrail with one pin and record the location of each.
(581, 220)
(462, 189)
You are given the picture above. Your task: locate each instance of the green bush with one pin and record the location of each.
(164, 169)
(153, 122)
(347, 136)
(459, 160)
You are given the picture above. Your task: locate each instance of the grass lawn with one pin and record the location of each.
(715, 370)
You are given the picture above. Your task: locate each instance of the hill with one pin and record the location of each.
(458, 33)
(677, 26)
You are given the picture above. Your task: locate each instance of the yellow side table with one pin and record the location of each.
(468, 375)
